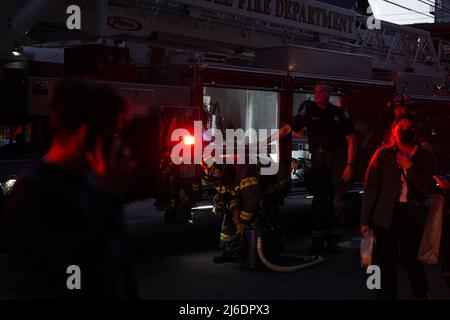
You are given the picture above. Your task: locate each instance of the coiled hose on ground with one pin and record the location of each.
(270, 265)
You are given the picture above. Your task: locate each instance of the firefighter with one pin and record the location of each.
(402, 103)
(240, 191)
(333, 148)
(274, 188)
(236, 202)
(177, 195)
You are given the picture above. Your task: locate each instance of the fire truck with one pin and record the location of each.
(242, 65)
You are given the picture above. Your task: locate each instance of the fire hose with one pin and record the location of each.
(277, 268)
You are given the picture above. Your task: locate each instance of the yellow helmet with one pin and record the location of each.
(212, 172)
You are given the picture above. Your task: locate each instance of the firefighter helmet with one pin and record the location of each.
(212, 172)
(401, 99)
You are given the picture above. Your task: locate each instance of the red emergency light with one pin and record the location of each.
(189, 140)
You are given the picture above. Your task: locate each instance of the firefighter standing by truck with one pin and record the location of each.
(333, 148)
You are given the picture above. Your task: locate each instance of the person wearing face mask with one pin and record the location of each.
(402, 103)
(398, 182)
(64, 216)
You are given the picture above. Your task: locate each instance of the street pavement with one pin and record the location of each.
(175, 261)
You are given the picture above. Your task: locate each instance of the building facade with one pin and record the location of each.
(441, 11)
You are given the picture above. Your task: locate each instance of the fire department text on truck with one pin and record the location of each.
(302, 11)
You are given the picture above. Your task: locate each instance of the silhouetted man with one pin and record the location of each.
(64, 220)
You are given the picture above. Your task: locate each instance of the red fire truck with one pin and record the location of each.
(255, 68)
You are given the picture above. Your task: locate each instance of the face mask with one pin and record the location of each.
(407, 136)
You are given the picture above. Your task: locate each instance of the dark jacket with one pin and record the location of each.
(382, 187)
(55, 220)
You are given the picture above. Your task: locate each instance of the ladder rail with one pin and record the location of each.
(394, 47)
